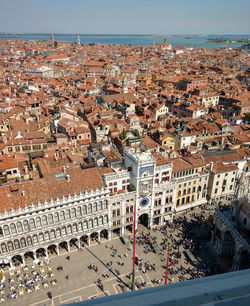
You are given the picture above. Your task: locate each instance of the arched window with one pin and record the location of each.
(90, 223)
(50, 219)
(23, 242)
(58, 232)
(4, 248)
(35, 239)
(6, 230)
(10, 246)
(84, 210)
(78, 211)
(64, 231)
(13, 228)
(74, 228)
(95, 207)
(89, 208)
(85, 225)
(101, 220)
(46, 236)
(38, 222)
(95, 222)
(105, 204)
(52, 234)
(105, 219)
(17, 244)
(56, 217)
(73, 212)
(67, 214)
(29, 241)
(41, 237)
(1, 232)
(100, 206)
(32, 224)
(80, 226)
(44, 220)
(62, 216)
(25, 225)
(131, 208)
(127, 210)
(69, 229)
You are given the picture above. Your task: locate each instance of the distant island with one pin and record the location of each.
(228, 40)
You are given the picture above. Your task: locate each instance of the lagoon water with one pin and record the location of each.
(135, 40)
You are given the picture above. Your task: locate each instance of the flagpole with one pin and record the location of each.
(166, 278)
(133, 271)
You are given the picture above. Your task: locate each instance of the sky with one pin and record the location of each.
(125, 16)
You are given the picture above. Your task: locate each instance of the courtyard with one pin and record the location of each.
(85, 269)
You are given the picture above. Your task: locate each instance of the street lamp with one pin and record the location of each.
(133, 271)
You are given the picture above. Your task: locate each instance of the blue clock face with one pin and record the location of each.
(148, 169)
(144, 202)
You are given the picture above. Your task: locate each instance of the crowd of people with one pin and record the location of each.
(23, 279)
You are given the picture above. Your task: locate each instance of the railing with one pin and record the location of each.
(230, 226)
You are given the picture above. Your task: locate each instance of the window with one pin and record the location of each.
(95, 222)
(62, 216)
(232, 180)
(10, 246)
(58, 232)
(89, 208)
(78, 211)
(100, 206)
(25, 225)
(90, 223)
(74, 228)
(217, 183)
(17, 244)
(19, 227)
(73, 212)
(36, 147)
(17, 149)
(216, 190)
(10, 149)
(80, 226)
(38, 222)
(44, 220)
(56, 217)
(226, 174)
(218, 175)
(4, 247)
(13, 228)
(46, 236)
(29, 241)
(50, 219)
(35, 239)
(95, 207)
(100, 220)
(64, 231)
(26, 148)
(231, 187)
(84, 210)
(41, 238)
(23, 243)
(32, 224)
(52, 234)
(85, 225)
(105, 219)
(69, 229)
(67, 214)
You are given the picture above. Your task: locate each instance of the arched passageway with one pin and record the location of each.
(143, 219)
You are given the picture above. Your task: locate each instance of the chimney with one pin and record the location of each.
(211, 166)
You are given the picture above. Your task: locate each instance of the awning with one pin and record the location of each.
(167, 217)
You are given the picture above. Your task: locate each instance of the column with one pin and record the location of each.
(58, 250)
(109, 235)
(88, 240)
(79, 245)
(99, 237)
(122, 230)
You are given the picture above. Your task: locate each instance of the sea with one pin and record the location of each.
(136, 40)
